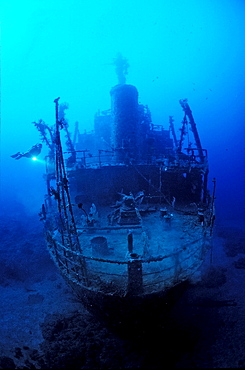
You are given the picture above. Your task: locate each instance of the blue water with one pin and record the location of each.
(181, 49)
(176, 49)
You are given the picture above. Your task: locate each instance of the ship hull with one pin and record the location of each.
(130, 314)
(135, 298)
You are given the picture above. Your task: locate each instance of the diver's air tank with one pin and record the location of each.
(124, 111)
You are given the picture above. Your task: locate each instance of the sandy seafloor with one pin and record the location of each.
(43, 326)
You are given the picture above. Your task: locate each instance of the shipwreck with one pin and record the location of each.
(127, 215)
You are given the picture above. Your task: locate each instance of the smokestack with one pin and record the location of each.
(124, 109)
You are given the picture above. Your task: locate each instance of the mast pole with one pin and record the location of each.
(188, 112)
(69, 229)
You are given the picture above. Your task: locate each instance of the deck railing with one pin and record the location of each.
(133, 275)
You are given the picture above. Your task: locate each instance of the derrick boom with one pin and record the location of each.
(188, 112)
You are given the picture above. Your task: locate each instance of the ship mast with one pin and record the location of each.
(68, 230)
(188, 113)
(69, 143)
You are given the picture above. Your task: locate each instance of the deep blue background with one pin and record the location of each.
(176, 49)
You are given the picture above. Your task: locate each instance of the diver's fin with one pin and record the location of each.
(15, 155)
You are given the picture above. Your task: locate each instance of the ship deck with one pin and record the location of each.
(156, 235)
(168, 250)
(159, 250)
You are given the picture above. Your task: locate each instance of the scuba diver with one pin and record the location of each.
(33, 152)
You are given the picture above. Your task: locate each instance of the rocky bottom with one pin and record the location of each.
(43, 326)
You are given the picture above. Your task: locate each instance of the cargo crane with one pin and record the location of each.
(188, 113)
